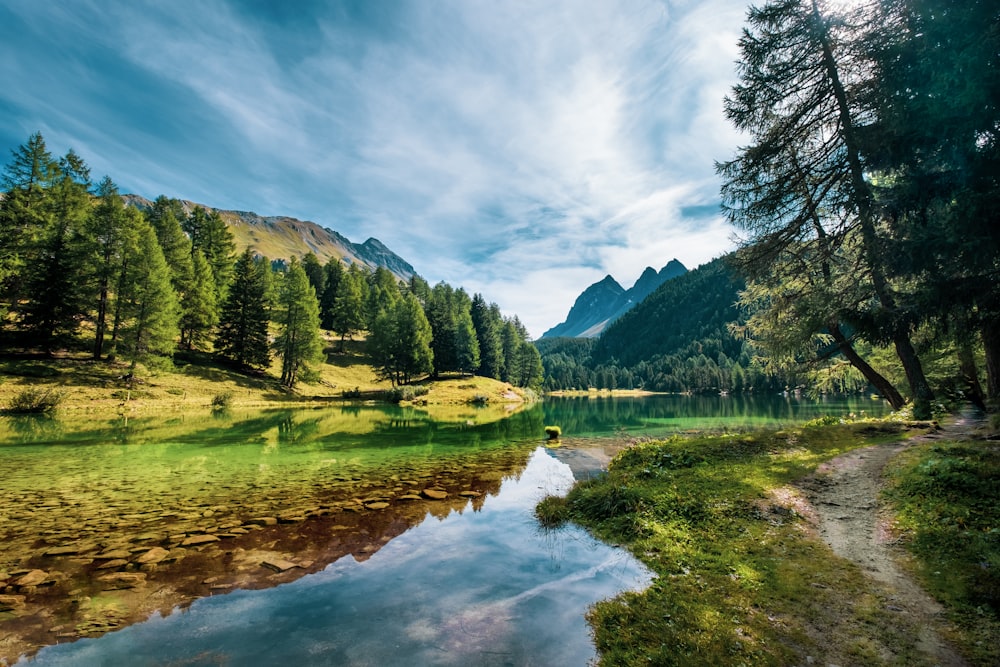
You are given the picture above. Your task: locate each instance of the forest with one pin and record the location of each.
(865, 199)
(82, 273)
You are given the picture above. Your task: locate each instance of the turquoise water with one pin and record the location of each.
(466, 583)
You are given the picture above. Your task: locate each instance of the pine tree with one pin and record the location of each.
(209, 233)
(165, 216)
(466, 344)
(487, 324)
(150, 311)
(383, 292)
(244, 318)
(299, 343)
(399, 343)
(57, 292)
(333, 274)
(315, 273)
(348, 312)
(113, 230)
(804, 96)
(199, 310)
(24, 210)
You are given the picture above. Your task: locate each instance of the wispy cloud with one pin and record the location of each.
(518, 148)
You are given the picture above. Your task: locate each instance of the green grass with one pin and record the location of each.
(946, 499)
(742, 578)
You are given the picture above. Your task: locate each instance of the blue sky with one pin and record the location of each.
(521, 149)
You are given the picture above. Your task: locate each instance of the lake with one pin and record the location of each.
(349, 535)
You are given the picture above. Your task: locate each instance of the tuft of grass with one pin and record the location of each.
(741, 577)
(945, 496)
(553, 432)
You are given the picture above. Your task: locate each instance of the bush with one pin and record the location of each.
(479, 399)
(34, 401)
(404, 393)
(352, 393)
(553, 432)
(222, 400)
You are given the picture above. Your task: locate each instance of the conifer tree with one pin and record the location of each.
(487, 325)
(348, 312)
(24, 209)
(199, 310)
(333, 273)
(113, 229)
(298, 343)
(315, 273)
(150, 312)
(382, 293)
(243, 320)
(399, 343)
(209, 233)
(165, 216)
(56, 294)
(466, 344)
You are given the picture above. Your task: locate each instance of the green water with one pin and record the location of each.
(429, 583)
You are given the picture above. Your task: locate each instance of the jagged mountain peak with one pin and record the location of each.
(606, 300)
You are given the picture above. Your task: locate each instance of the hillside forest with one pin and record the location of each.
(866, 202)
(83, 273)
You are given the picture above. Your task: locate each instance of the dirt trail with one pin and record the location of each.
(844, 493)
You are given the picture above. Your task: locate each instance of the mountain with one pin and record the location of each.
(604, 302)
(282, 237)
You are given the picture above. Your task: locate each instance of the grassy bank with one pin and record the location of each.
(945, 497)
(742, 576)
(196, 381)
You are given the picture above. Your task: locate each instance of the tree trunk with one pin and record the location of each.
(973, 390)
(884, 387)
(990, 332)
(919, 387)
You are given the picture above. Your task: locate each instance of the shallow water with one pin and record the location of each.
(486, 587)
(421, 582)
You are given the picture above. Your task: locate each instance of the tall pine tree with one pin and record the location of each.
(244, 317)
(298, 342)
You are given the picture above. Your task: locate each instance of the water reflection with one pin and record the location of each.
(481, 588)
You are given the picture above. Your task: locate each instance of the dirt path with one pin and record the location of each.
(844, 493)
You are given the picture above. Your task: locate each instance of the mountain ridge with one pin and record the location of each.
(606, 300)
(282, 237)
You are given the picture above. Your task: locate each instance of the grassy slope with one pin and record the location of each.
(742, 576)
(195, 380)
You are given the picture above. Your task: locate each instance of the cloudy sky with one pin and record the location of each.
(521, 149)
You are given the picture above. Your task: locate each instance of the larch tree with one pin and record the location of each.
(57, 284)
(298, 342)
(333, 273)
(806, 99)
(150, 312)
(199, 309)
(242, 335)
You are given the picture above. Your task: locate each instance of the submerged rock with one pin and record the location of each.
(32, 578)
(435, 494)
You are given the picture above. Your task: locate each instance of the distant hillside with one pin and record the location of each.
(605, 301)
(281, 237)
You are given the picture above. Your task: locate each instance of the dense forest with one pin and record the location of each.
(82, 272)
(866, 199)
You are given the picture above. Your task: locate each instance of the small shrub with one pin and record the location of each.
(553, 432)
(479, 399)
(34, 401)
(352, 393)
(222, 400)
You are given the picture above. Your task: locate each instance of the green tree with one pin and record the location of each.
(298, 343)
(805, 91)
(209, 234)
(113, 230)
(199, 309)
(488, 323)
(166, 215)
(24, 209)
(150, 312)
(243, 322)
(348, 313)
(315, 273)
(466, 344)
(383, 292)
(399, 343)
(333, 273)
(57, 288)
